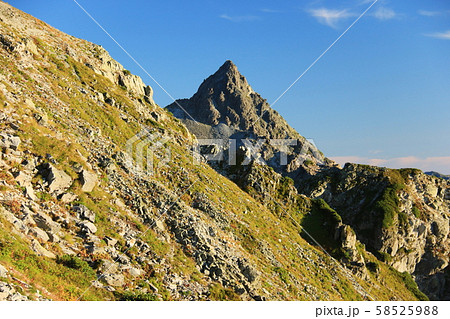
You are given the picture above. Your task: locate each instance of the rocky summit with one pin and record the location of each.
(225, 108)
(104, 195)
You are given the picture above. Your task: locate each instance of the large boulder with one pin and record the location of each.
(29, 193)
(3, 272)
(88, 227)
(39, 234)
(22, 179)
(41, 251)
(247, 270)
(58, 181)
(84, 213)
(115, 280)
(67, 197)
(9, 141)
(88, 181)
(44, 222)
(440, 228)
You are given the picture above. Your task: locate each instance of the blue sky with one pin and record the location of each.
(381, 95)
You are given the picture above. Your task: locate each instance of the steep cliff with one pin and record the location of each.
(403, 216)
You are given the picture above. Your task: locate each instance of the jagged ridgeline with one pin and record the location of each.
(75, 205)
(226, 107)
(402, 216)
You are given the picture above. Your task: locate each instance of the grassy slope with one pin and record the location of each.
(251, 222)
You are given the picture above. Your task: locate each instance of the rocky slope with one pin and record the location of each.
(436, 174)
(83, 218)
(401, 215)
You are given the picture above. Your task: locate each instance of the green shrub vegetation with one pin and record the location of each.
(283, 273)
(320, 223)
(135, 296)
(323, 207)
(218, 292)
(285, 186)
(387, 206)
(416, 211)
(385, 257)
(411, 285)
(308, 163)
(373, 266)
(76, 263)
(62, 282)
(403, 220)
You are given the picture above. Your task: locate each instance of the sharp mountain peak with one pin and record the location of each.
(226, 79)
(227, 98)
(228, 66)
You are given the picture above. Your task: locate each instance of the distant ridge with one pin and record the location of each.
(436, 174)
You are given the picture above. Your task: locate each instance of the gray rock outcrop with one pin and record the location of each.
(9, 141)
(88, 181)
(3, 272)
(84, 213)
(58, 181)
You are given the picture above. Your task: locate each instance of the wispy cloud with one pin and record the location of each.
(330, 17)
(266, 10)
(440, 164)
(364, 2)
(243, 18)
(427, 13)
(383, 13)
(439, 35)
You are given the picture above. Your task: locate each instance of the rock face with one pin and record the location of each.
(45, 222)
(41, 251)
(88, 227)
(226, 107)
(115, 280)
(403, 215)
(117, 74)
(225, 97)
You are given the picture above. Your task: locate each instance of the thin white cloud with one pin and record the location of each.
(239, 18)
(363, 2)
(383, 13)
(440, 35)
(266, 10)
(330, 17)
(439, 164)
(427, 13)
